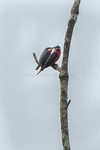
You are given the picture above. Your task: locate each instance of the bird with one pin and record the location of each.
(43, 57)
(52, 58)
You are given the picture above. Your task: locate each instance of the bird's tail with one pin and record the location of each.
(38, 66)
(42, 68)
(39, 71)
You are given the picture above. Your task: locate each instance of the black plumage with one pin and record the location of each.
(51, 59)
(44, 56)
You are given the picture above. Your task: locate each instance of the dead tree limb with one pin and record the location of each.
(63, 76)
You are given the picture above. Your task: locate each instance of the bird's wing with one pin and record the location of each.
(44, 56)
(51, 59)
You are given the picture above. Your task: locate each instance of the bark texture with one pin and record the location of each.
(63, 76)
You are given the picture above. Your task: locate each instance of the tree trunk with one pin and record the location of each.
(63, 76)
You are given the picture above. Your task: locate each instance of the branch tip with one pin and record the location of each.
(36, 60)
(68, 103)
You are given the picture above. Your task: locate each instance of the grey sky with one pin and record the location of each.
(29, 105)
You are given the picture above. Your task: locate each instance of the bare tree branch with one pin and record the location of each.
(56, 67)
(63, 76)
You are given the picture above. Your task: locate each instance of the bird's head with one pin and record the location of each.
(57, 49)
(49, 49)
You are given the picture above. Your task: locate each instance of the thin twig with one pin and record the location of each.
(68, 103)
(36, 60)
